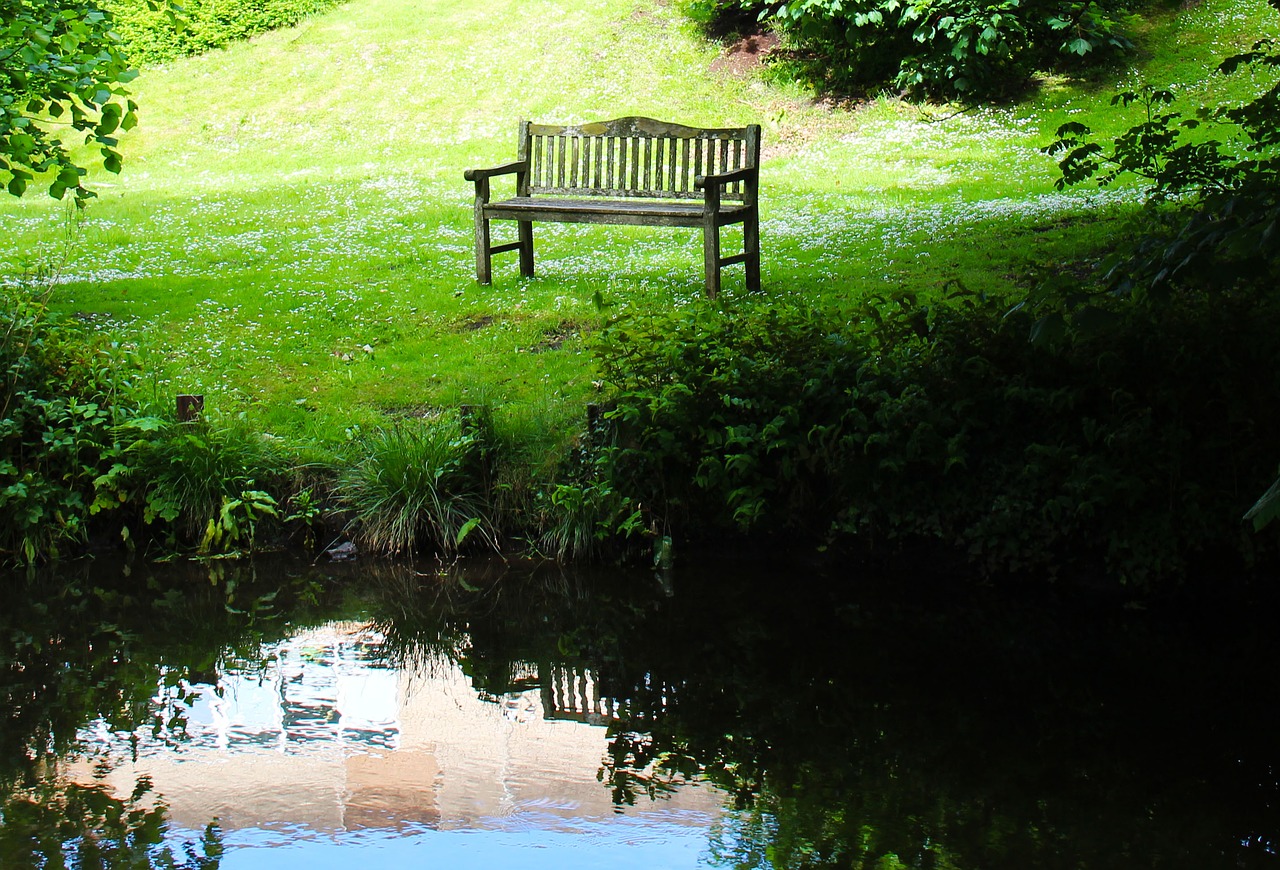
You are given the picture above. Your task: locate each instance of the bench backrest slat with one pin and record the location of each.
(637, 157)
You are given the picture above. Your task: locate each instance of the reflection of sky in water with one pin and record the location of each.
(319, 754)
(303, 694)
(643, 843)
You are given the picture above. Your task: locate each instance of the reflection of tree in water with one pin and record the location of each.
(57, 822)
(81, 647)
(969, 736)
(852, 728)
(898, 729)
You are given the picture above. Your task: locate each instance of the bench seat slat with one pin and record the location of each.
(607, 211)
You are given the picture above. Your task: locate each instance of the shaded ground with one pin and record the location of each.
(745, 54)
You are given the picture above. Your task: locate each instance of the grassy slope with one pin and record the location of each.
(292, 234)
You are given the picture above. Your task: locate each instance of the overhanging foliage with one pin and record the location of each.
(62, 68)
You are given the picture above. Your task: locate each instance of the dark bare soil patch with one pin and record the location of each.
(555, 337)
(420, 411)
(745, 54)
(472, 324)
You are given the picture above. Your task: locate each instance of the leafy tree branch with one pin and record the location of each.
(61, 66)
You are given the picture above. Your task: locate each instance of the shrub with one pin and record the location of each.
(715, 410)
(152, 33)
(63, 390)
(580, 513)
(1210, 225)
(206, 483)
(78, 454)
(1220, 169)
(953, 49)
(941, 423)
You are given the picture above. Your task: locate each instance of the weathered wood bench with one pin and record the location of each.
(628, 171)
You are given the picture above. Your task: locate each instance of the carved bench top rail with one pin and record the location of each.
(634, 157)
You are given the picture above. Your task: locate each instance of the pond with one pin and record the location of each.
(283, 714)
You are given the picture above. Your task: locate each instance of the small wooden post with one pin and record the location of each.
(189, 408)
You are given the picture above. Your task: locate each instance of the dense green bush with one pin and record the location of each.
(211, 484)
(81, 455)
(954, 49)
(62, 393)
(1132, 456)
(153, 34)
(1210, 224)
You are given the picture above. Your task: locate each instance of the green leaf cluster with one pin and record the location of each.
(1213, 183)
(59, 400)
(155, 32)
(62, 68)
(905, 425)
(953, 49)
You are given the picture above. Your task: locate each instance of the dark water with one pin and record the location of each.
(280, 715)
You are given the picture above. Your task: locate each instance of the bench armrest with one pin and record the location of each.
(504, 169)
(746, 173)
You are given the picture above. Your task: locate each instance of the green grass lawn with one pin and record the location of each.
(291, 235)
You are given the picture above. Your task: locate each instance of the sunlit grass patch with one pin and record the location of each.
(292, 236)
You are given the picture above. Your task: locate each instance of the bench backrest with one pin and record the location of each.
(637, 157)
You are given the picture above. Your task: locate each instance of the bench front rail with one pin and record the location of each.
(628, 171)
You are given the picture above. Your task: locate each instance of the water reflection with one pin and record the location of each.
(323, 735)
(387, 717)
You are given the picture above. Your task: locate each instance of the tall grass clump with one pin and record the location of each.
(546, 480)
(581, 513)
(586, 519)
(418, 484)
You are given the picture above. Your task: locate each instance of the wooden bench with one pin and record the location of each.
(628, 171)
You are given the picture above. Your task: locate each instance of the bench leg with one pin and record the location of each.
(711, 257)
(484, 257)
(751, 247)
(526, 248)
